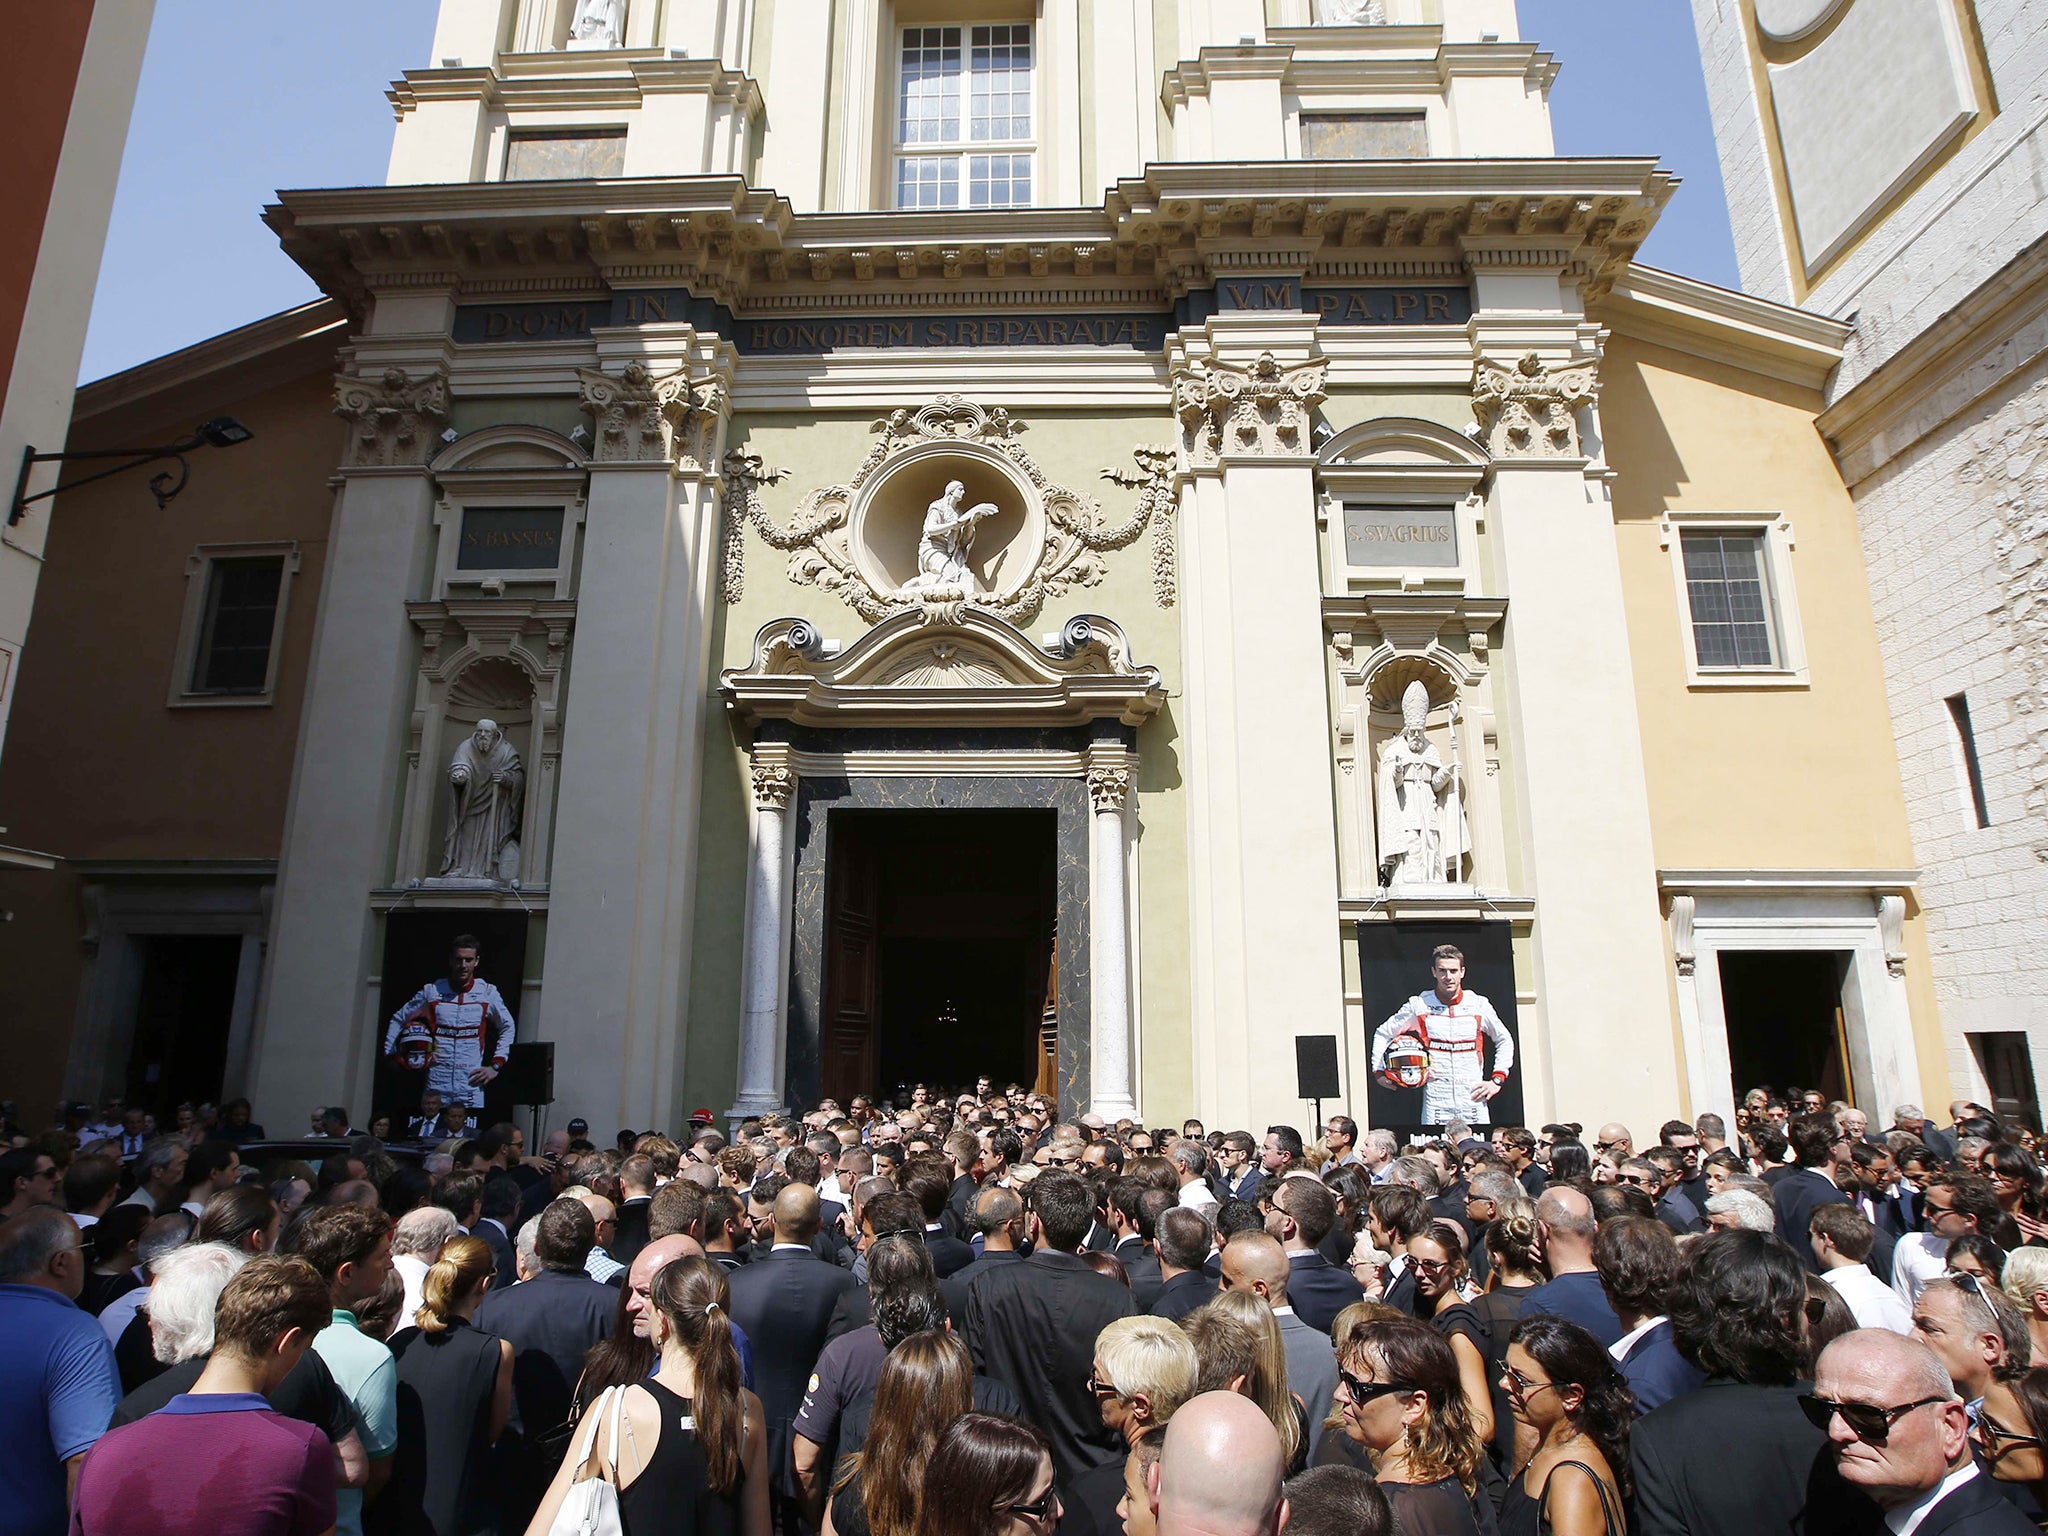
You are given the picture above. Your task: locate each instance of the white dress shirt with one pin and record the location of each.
(1620, 1347)
(1875, 1304)
(412, 1269)
(1918, 1258)
(1195, 1193)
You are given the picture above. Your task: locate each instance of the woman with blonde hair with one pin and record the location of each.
(454, 1397)
(1237, 1343)
(2025, 1280)
(1398, 1389)
(692, 1455)
(927, 1382)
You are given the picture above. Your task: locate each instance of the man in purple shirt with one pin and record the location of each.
(58, 1368)
(218, 1460)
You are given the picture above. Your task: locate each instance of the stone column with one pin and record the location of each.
(767, 925)
(1265, 953)
(621, 901)
(309, 1041)
(1110, 778)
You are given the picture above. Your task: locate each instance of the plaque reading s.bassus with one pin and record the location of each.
(510, 539)
(1400, 536)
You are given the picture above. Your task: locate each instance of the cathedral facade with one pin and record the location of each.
(1079, 541)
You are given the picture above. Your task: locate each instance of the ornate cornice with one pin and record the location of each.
(396, 417)
(1260, 410)
(1530, 411)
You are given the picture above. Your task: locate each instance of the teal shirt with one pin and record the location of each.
(364, 1369)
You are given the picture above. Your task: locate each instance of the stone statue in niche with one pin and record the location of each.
(1351, 13)
(485, 781)
(598, 24)
(947, 541)
(1423, 836)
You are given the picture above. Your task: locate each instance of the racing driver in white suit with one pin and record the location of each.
(1459, 1031)
(459, 1013)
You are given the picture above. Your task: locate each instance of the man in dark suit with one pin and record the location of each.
(929, 1182)
(1738, 1456)
(1237, 1168)
(1885, 1203)
(498, 1223)
(1636, 1259)
(636, 1196)
(882, 1216)
(1032, 1326)
(1819, 1146)
(1183, 1237)
(1918, 1471)
(1126, 1214)
(785, 1302)
(1302, 1213)
(550, 1318)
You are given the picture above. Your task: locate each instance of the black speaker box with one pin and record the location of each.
(529, 1076)
(1315, 1066)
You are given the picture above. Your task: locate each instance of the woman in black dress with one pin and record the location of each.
(454, 1398)
(693, 1442)
(1400, 1397)
(1443, 1299)
(926, 1383)
(1564, 1386)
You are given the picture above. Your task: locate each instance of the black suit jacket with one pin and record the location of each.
(1141, 1268)
(1318, 1290)
(1180, 1296)
(949, 1254)
(1032, 1326)
(1683, 1454)
(1977, 1508)
(551, 1321)
(1400, 1291)
(1797, 1195)
(784, 1303)
(1099, 1240)
(502, 1253)
(631, 1235)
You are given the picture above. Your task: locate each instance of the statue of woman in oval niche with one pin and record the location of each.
(947, 541)
(485, 781)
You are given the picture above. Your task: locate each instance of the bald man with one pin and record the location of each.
(1220, 1471)
(639, 1282)
(1614, 1141)
(785, 1299)
(1919, 1471)
(1574, 1293)
(1255, 1262)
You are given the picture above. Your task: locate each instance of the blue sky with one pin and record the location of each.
(188, 255)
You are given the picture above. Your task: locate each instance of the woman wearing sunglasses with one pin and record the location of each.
(2009, 1431)
(1443, 1299)
(991, 1476)
(1400, 1398)
(1563, 1385)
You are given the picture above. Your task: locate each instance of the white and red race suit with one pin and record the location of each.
(458, 1022)
(1457, 1035)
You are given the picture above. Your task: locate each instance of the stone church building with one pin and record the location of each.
(1076, 540)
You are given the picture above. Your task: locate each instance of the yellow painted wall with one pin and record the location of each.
(1767, 777)
(1072, 448)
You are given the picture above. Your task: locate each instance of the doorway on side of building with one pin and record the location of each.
(939, 946)
(2008, 1068)
(1784, 1019)
(184, 1011)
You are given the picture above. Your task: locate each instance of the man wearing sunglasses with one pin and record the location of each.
(1898, 1433)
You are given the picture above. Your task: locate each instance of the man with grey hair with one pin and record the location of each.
(61, 1383)
(1739, 1210)
(415, 1245)
(1975, 1331)
(158, 1173)
(188, 1284)
(1191, 1160)
(1574, 1293)
(1897, 1432)
(526, 1246)
(1378, 1151)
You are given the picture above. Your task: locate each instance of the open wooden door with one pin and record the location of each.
(847, 1050)
(1048, 1082)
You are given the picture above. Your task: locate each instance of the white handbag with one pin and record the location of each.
(591, 1507)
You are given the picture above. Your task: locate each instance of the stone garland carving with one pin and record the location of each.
(817, 537)
(1530, 411)
(1109, 787)
(395, 416)
(1259, 411)
(745, 474)
(643, 418)
(1154, 485)
(773, 785)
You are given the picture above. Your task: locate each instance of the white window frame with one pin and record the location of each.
(964, 148)
(1778, 543)
(198, 582)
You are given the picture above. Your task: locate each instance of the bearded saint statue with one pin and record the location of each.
(485, 781)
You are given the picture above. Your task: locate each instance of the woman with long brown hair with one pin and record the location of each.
(1443, 1298)
(1565, 1388)
(1237, 1343)
(1401, 1398)
(991, 1476)
(454, 1395)
(692, 1457)
(926, 1383)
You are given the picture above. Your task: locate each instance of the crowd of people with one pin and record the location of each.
(963, 1316)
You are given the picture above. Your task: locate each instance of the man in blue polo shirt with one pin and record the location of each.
(61, 1383)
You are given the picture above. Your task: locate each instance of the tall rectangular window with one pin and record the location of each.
(963, 117)
(1730, 596)
(1966, 742)
(239, 625)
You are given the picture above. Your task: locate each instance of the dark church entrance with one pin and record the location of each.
(1785, 1026)
(939, 949)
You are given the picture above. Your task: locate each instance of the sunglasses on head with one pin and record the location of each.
(1363, 1392)
(1867, 1421)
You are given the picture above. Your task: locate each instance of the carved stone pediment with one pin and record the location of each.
(947, 512)
(976, 669)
